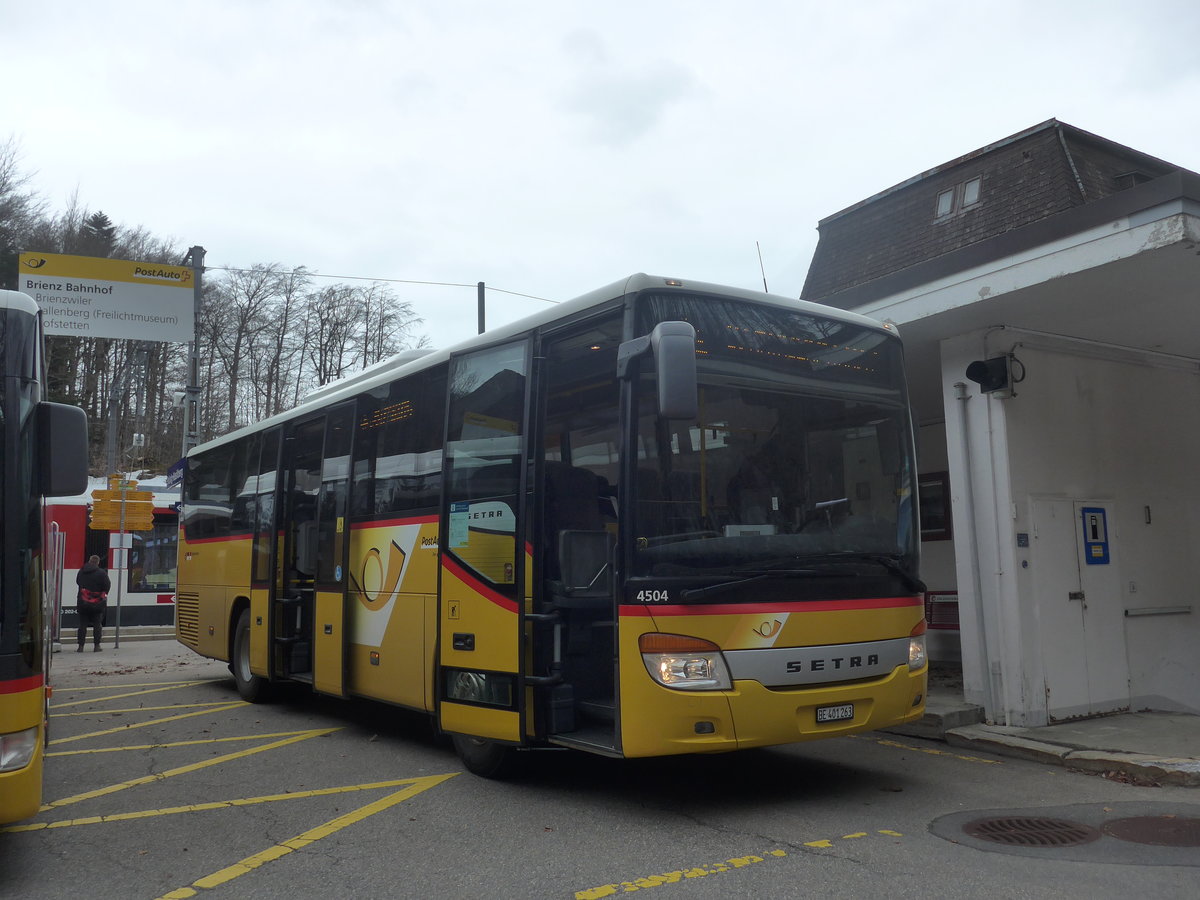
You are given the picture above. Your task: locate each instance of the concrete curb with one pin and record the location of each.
(940, 717)
(128, 634)
(1138, 767)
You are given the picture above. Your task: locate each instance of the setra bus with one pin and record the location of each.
(665, 517)
(43, 452)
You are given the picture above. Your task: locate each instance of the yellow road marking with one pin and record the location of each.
(250, 863)
(134, 709)
(933, 751)
(158, 690)
(649, 881)
(216, 804)
(220, 740)
(109, 687)
(183, 770)
(130, 727)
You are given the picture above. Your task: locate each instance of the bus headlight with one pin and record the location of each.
(684, 663)
(916, 652)
(17, 749)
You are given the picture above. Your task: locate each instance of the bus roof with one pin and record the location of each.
(18, 301)
(408, 361)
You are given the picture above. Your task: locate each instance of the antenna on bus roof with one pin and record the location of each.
(760, 267)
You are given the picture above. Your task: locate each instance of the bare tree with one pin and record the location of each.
(243, 301)
(20, 209)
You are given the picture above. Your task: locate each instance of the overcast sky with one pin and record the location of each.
(551, 147)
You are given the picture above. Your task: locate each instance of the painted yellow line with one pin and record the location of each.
(649, 881)
(108, 687)
(216, 804)
(300, 841)
(135, 709)
(169, 744)
(183, 770)
(129, 727)
(158, 690)
(933, 751)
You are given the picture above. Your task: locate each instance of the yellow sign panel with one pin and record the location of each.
(99, 268)
(135, 497)
(108, 522)
(91, 296)
(121, 505)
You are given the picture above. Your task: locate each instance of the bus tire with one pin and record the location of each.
(252, 688)
(484, 758)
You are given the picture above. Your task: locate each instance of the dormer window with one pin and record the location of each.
(1129, 179)
(959, 198)
(970, 192)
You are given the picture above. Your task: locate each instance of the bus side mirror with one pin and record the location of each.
(63, 448)
(673, 347)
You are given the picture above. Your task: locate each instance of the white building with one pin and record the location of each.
(1074, 263)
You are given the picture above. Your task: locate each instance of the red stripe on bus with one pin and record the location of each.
(801, 606)
(21, 685)
(225, 538)
(478, 586)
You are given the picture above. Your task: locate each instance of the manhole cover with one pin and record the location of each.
(1161, 831)
(1031, 831)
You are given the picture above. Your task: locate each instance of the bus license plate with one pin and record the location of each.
(835, 713)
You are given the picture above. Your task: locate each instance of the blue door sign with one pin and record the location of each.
(1095, 535)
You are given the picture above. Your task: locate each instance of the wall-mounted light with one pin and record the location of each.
(994, 376)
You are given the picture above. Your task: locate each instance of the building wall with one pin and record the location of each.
(1023, 182)
(1127, 435)
(1085, 425)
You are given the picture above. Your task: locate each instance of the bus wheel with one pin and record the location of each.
(251, 687)
(486, 759)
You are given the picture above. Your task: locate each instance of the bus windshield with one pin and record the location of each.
(800, 460)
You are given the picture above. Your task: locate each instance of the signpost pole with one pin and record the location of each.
(191, 402)
(122, 562)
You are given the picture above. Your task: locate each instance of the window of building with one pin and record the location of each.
(945, 203)
(961, 197)
(970, 192)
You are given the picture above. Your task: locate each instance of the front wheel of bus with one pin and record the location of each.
(251, 687)
(486, 759)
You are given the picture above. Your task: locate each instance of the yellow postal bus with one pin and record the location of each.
(43, 451)
(665, 517)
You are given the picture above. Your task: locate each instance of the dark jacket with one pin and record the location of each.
(92, 577)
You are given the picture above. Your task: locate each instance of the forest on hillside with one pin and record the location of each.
(266, 336)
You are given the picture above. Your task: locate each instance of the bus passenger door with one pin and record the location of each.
(482, 547)
(308, 621)
(331, 615)
(575, 629)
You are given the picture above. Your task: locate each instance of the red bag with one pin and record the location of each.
(92, 599)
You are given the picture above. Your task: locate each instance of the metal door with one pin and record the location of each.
(1080, 616)
(483, 550)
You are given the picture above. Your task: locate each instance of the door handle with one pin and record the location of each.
(1075, 595)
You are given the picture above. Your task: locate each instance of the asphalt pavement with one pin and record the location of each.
(1143, 747)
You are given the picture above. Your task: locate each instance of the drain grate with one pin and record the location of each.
(1161, 831)
(1031, 831)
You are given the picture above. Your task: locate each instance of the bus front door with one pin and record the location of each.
(483, 552)
(310, 621)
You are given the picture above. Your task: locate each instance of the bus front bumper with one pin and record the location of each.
(752, 715)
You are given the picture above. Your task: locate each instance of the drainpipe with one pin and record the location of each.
(1062, 139)
(989, 690)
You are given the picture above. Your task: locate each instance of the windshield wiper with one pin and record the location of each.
(722, 586)
(891, 563)
(817, 560)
